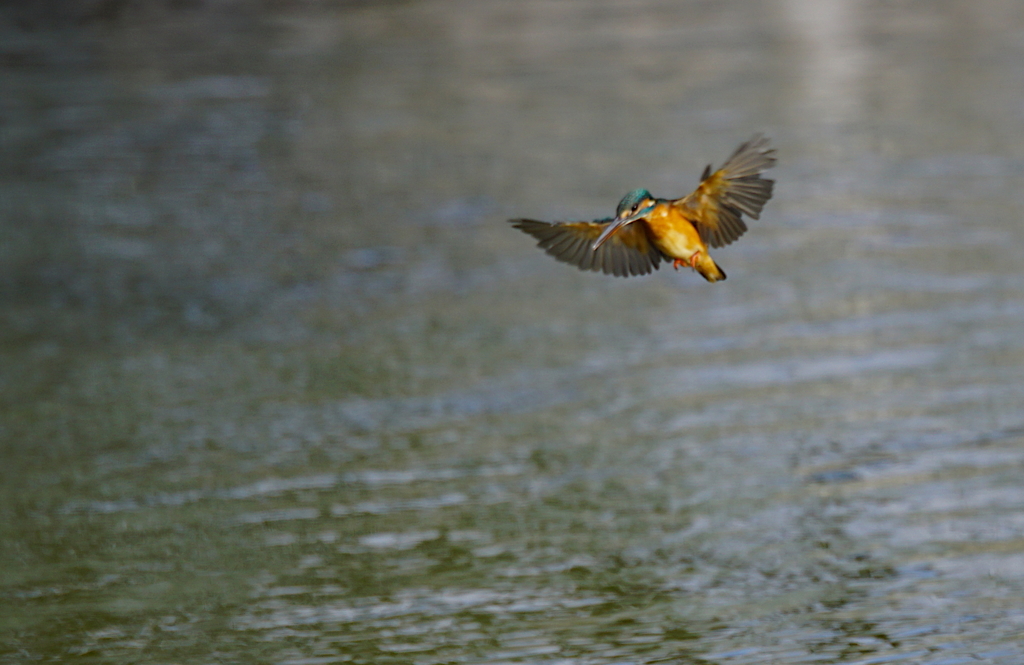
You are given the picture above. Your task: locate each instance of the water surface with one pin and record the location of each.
(279, 384)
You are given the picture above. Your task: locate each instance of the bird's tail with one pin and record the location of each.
(708, 269)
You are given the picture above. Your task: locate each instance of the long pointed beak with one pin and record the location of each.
(614, 226)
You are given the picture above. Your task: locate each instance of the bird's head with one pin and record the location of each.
(632, 207)
(635, 202)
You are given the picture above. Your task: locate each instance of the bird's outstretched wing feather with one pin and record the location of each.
(628, 252)
(717, 206)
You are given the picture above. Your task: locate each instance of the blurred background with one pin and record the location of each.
(279, 384)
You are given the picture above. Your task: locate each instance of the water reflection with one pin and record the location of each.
(280, 385)
(834, 63)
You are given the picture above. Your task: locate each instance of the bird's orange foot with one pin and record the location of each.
(679, 262)
(693, 260)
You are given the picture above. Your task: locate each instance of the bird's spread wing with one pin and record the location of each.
(628, 252)
(717, 206)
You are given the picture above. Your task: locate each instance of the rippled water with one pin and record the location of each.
(279, 384)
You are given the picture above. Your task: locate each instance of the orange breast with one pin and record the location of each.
(672, 233)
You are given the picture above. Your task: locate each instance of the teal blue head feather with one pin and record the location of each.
(630, 202)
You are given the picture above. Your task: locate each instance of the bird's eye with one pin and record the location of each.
(635, 206)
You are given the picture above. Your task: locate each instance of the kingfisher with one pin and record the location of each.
(647, 230)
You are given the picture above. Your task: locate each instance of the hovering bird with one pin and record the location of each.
(647, 230)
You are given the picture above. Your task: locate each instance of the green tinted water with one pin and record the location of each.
(279, 384)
